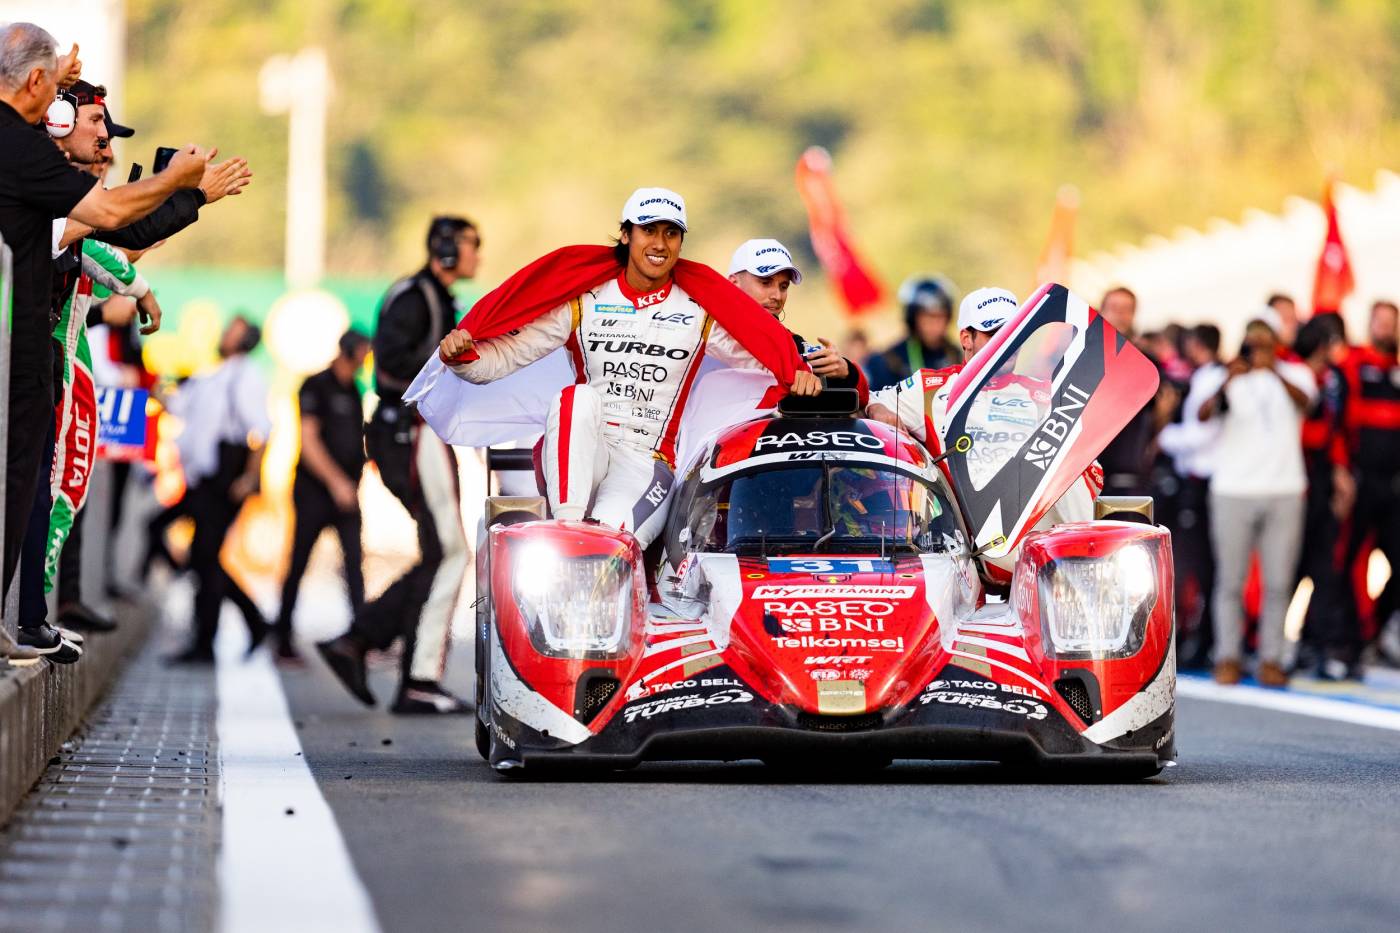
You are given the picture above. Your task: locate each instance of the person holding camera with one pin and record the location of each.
(38, 184)
(764, 270)
(421, 471)
(1256, 493)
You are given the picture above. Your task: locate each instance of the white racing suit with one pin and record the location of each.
(610, 438)
(1006, 411)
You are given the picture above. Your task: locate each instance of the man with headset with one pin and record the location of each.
(421, 471)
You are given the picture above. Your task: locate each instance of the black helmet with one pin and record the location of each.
(924, 292)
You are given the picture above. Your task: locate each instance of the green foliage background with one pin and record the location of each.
(952, 123)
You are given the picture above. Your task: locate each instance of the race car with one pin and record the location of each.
(820, 595)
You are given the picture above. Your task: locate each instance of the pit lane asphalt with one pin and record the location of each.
(1272, 821)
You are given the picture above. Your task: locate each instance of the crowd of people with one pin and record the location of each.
(74, 242)
(1272, 465)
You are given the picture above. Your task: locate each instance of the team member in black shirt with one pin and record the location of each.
(421, 471)
(325, 492)
(38, 185)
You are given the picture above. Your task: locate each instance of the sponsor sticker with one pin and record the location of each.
(851, 440)
(809, 591)
(613, 309)
(829, 565)
(980, 694)
(671, 704)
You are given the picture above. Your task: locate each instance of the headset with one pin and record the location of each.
(62, 115)
(442, 240)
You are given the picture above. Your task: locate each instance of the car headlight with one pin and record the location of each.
(1097, 607)
(573, 607)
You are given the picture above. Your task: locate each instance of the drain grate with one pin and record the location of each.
(120, 833)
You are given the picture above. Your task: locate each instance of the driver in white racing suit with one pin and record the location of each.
(1005, 413)
(636, 343)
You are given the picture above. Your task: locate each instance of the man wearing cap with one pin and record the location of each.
(637, 321)
(1011, 407)
(764, 270)
(86, 141)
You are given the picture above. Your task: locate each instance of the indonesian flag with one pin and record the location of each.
(1334, 280)
(1053, 265)
(514, 408)
(857, 288)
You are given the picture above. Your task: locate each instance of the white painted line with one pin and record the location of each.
(1285, 702)
(276, 871)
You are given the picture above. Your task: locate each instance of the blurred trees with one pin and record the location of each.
(952, 122)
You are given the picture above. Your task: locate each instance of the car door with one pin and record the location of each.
(1036, 406)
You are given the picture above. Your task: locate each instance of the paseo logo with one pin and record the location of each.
(838, 439)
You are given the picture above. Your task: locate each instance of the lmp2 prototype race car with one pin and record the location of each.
(821, 596)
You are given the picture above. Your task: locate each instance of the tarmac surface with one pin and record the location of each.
(1272, 821)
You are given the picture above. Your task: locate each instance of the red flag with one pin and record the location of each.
(1053, 265)
(1334, 281)
(855, 285)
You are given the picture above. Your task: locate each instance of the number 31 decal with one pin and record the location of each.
(829, 565)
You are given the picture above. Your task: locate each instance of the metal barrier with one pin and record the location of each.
(10, 617)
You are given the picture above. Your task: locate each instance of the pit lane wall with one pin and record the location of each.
(43, 704)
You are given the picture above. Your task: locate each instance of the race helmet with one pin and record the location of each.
(922, 292)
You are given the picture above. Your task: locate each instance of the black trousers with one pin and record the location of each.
(33, 606)
(1195, 570)
(214, 510)
(398, 612)
(316, 511)
(70, 564)
(1377, 513)
(31, 419)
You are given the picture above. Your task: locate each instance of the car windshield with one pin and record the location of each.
(832, 506)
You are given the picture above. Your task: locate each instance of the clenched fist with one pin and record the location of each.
(805, 383)
(454, 345)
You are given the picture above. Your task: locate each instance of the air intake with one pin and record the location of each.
(592, 694)
(1076, 694)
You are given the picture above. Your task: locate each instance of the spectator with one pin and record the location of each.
(36, 185)
(1287, 310)
(1256, 495)
(1127, 460)
(325, 492)
(1321, 344)
(1373, 422)
(927, 301)
(1192, 445)
(221, 447)
(855, 345)
(421, 471)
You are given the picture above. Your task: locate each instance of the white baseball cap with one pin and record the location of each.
(764, 258)
(986, 309)
(655, 205)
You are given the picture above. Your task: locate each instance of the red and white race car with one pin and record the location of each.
(820, 595)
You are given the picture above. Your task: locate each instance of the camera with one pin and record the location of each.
(163, 156)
